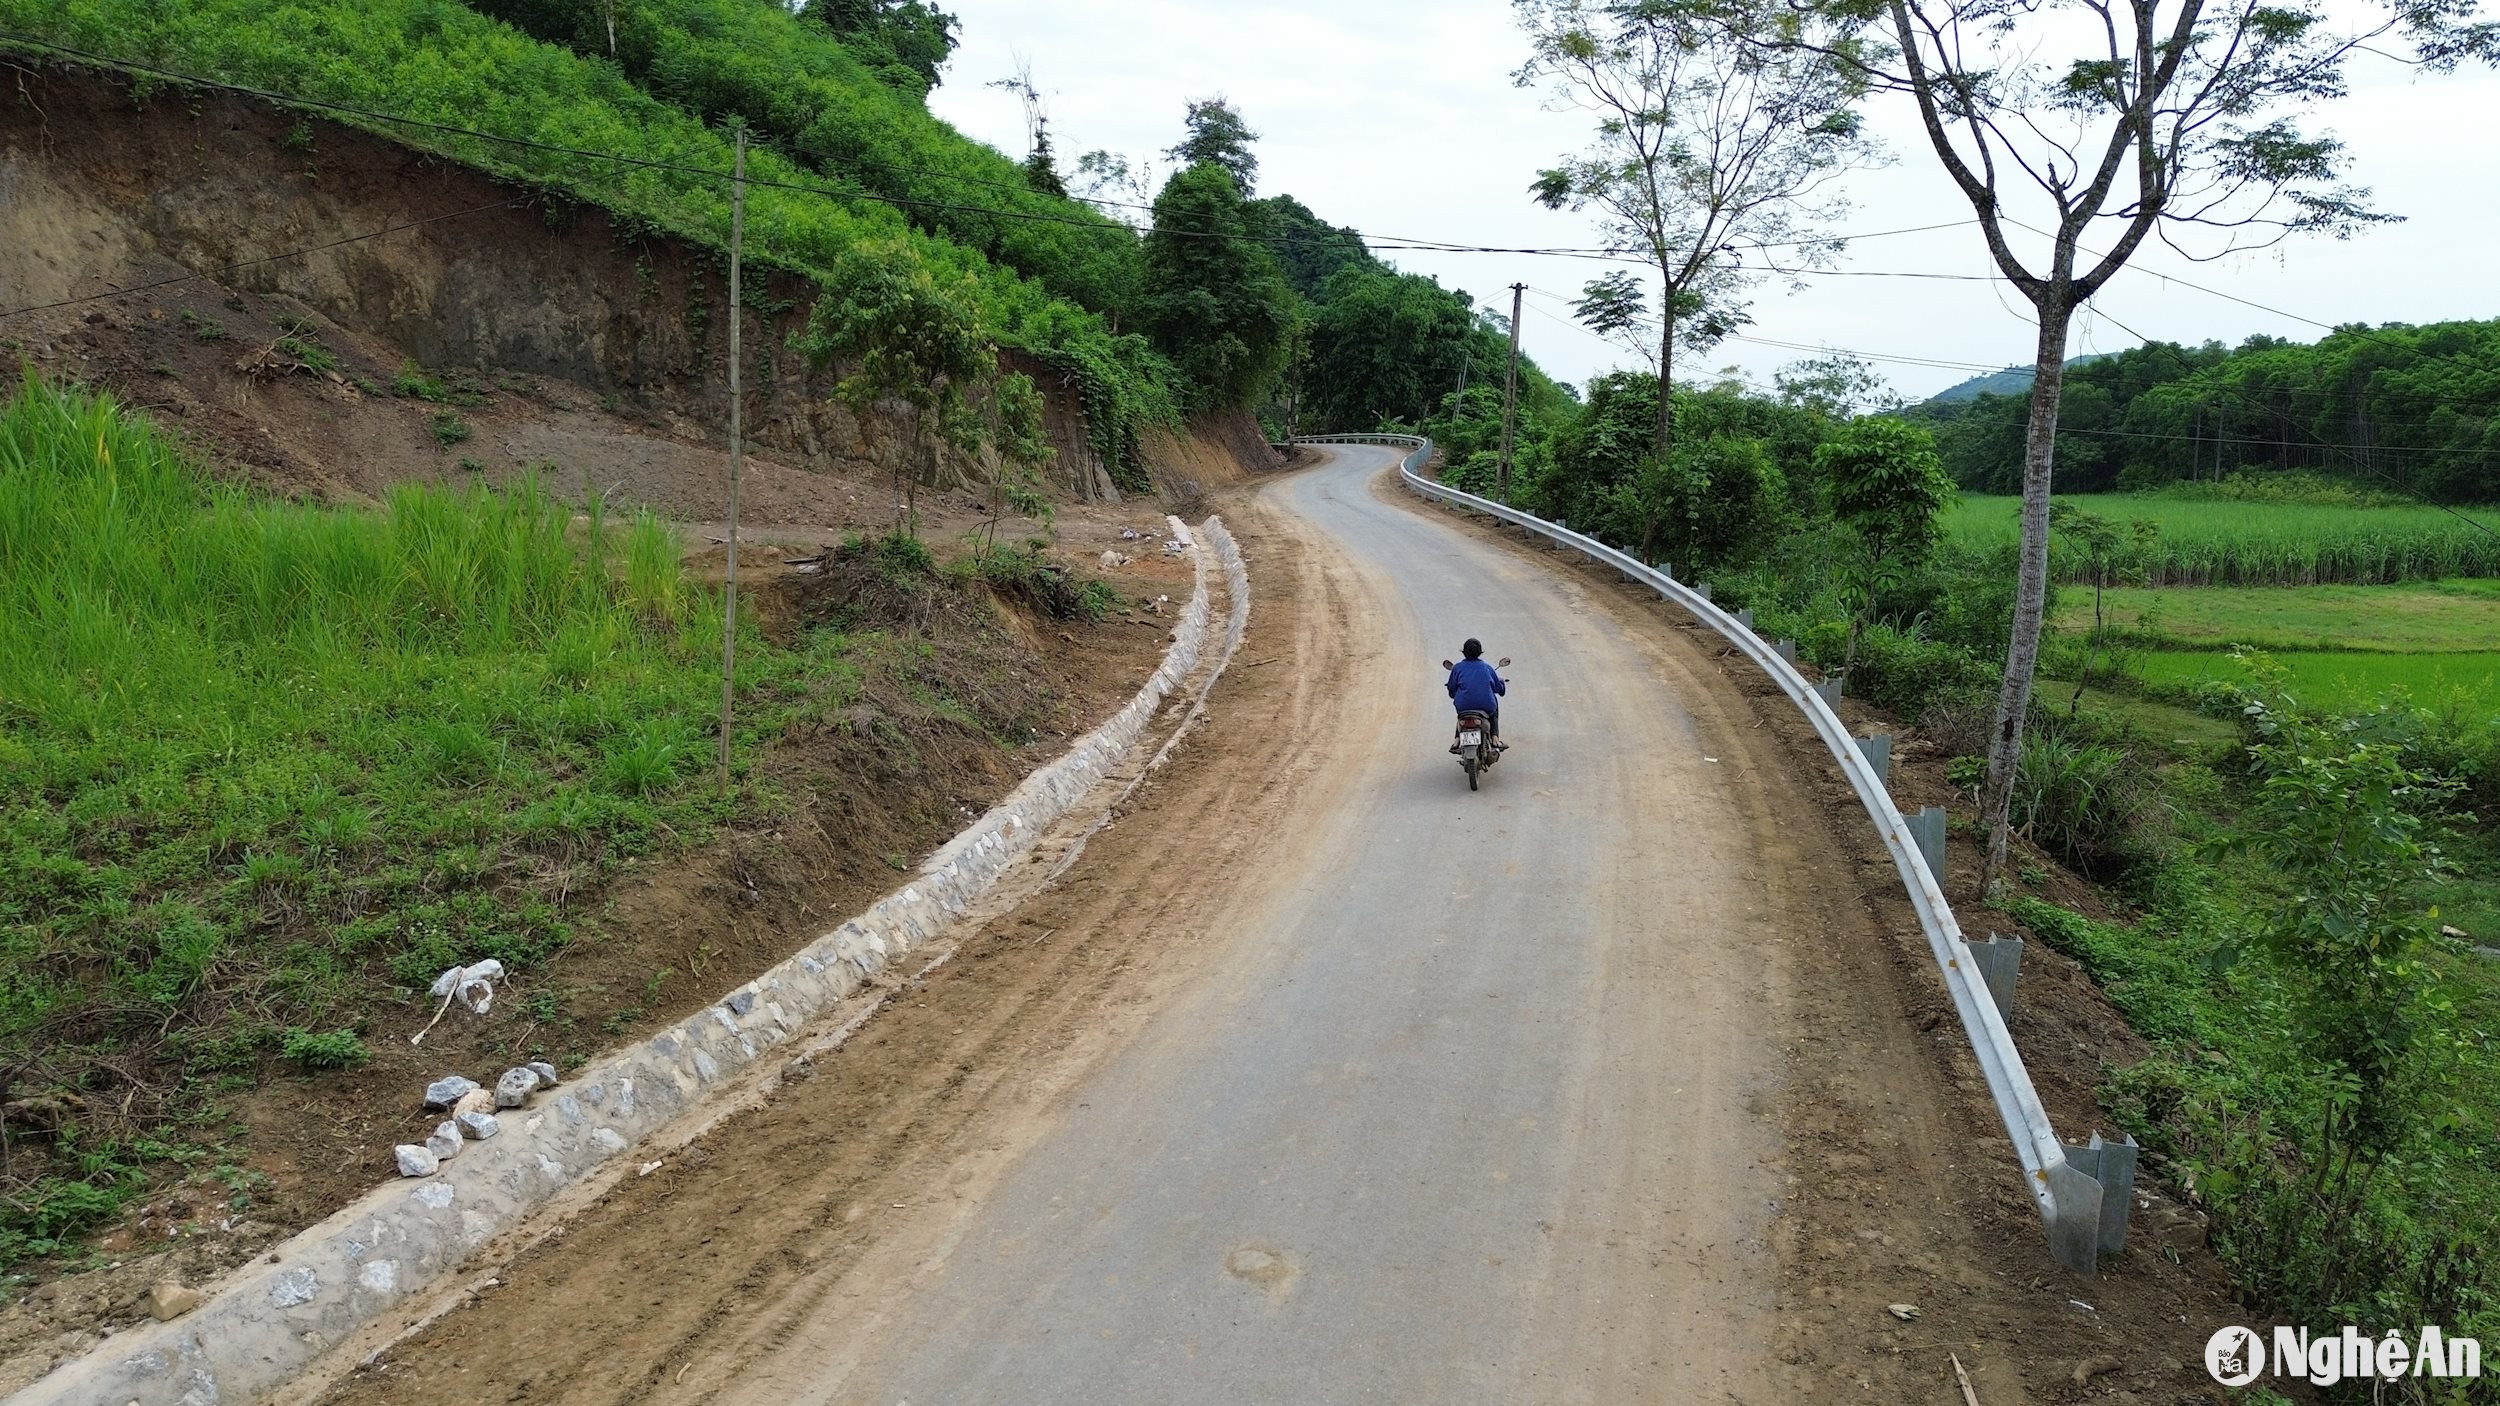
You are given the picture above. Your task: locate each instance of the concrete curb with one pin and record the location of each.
(269, 1320)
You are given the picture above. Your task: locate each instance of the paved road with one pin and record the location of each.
(1466, 1110)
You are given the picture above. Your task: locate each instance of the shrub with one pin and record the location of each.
(901, 558)
(1020, 574)
(2090, 804)
(335, 1049)
(1477, 474)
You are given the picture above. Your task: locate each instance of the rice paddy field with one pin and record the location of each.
(2346, 680)
(2214, 542)
(2436, 643)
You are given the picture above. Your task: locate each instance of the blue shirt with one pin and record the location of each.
(1475, 687)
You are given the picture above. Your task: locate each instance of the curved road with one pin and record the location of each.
(1462, 1111)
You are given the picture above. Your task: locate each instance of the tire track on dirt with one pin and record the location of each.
(863, 1162)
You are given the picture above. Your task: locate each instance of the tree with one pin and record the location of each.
(1389, 346)
(2101, 543)
(1887, 489)
(1110, 177)
(2117, 122)
(1838, 386)
(2351, 832)
(1309, 249)
(904, 42)
(1024, 451)
(913, 344)
(1214, 301)
(1710, 150)
(1218, 136)
(1041, 170)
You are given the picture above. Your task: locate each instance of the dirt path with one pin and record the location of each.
(1318, 1079)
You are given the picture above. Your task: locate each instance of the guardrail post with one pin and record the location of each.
(2000, 961)
(1927, 828)
(1744, 617)
(1878, 752)
(1829, 691)
(1702, 590)
(2074, 1214)
(1786, 650)
(2112, 1164)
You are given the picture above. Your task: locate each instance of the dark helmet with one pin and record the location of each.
(1473, 649)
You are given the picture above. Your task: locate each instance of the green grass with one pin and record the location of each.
(2343, 681)
(266, 767)
(2173, 730)
(2205, 542)
(2460, 616)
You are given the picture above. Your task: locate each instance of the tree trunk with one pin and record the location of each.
(2022, 654)
(1666, 374)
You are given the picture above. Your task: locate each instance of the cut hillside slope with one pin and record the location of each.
(495, 335)
(494, 329)
(454, 82)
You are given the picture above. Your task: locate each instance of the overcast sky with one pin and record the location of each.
(1399, 117)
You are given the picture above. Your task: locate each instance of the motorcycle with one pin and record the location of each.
(1474, 743)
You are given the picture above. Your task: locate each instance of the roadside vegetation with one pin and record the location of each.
(2294, 840)
(272, 766)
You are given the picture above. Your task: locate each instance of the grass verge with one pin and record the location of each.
(265, 768)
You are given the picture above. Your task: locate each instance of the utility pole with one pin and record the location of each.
(1510, 393)
(1466, 357)
(729, 599)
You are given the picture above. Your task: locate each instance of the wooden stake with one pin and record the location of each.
(1969, 1397)
(1510, 393)
(729, 597)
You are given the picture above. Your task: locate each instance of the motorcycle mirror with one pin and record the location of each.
(1505, 661)
(1446, 664)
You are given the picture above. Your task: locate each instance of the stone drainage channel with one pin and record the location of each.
(326, 1289)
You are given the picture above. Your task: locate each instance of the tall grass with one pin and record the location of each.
(267, 766)
(2207, 542)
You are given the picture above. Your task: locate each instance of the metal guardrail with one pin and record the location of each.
(2066, 1182)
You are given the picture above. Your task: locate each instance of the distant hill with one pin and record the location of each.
(2013, 380)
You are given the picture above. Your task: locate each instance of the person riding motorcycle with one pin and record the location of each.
(1477, 687)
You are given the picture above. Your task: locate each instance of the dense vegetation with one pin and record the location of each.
(2319, 1080)
(266, 763)
(2413, 409)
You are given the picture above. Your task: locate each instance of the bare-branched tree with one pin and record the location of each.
(2079, 130)
(1717, 156)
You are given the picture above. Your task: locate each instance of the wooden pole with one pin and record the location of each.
(729, 597)
(1510, 393)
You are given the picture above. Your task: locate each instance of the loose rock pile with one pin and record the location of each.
(471, 1107)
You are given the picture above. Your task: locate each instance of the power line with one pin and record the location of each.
(1938, 363)
(2364, 333)
(1388, 242)
(2286, 421)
